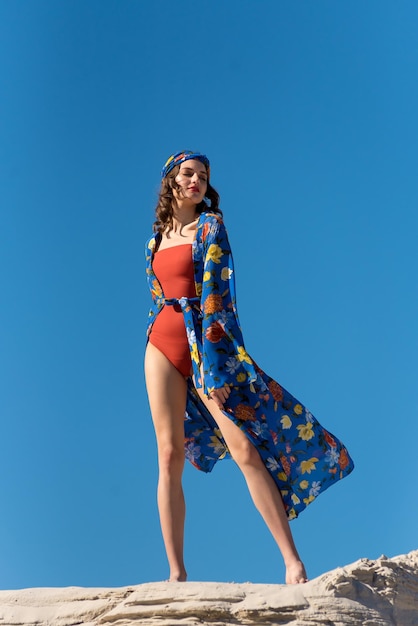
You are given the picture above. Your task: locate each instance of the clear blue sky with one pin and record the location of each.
(308, 112)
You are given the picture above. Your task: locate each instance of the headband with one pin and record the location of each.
(180, 157)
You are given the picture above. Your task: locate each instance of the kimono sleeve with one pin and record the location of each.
(224, 358)
(153, 284)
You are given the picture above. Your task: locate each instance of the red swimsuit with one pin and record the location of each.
(173, 268)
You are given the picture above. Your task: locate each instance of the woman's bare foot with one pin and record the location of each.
(295, 573)
(178, 578)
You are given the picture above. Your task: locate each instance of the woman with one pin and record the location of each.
(208, 398)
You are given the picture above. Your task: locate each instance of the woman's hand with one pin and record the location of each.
(220, 396)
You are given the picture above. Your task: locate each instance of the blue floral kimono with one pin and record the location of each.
(303, 458)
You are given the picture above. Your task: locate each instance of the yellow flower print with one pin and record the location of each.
(308, 466)
(194, 353)
(291, 514)
(241, 377)
(218, 446)
(295, 499)
(308, 500)
(298, 409)
(242, 355)
(303, 484)
(214, 253)
(282, 476)
(286, 421)
(198, 289)
(206, 276)
(151, 244)
(305, 431)
(226, 273)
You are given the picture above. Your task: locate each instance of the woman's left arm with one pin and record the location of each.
(225, 361)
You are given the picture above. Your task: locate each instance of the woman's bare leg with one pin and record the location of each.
(167, 390)
(263, 490)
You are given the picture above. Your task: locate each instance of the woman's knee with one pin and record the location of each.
(171, 459)
(245, 454)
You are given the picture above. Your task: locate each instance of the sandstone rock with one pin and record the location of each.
(367, 593)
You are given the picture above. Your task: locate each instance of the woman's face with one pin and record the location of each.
(192, 180)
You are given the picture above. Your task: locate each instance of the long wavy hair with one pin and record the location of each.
(166, 200)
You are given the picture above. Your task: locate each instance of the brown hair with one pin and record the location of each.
(164, 208)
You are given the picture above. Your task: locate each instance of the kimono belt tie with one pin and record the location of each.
(191, 309)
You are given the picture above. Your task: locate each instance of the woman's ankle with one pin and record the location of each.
(178, 576)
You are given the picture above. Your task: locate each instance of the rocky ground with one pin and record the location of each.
(367, 593)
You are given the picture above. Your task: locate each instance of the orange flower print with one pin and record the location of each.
(206, 229)
(245, 413)
(214, 333)
(213, 303)
(156, 289)
(285, 464)
(275, 390)
(343, 460)
(330, 440)
(274, 436)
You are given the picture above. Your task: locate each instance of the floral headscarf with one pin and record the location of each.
(180, 157)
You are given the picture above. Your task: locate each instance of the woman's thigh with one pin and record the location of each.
(167, 392)
(242, 450)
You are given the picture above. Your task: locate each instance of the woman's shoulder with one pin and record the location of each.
(209, 217)
(151, 242)
(211, 228)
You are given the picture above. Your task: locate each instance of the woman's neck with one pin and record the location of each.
(183, 215)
